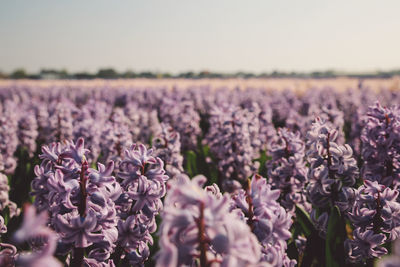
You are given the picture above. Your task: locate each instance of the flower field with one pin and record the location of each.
(207, 173)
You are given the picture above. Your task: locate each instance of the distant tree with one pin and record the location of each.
(148, 75)
(129, 74)
(83, 75)
(53, 74)
(187, 75)
(3, 75)
(18, 74)
(166, 75)
(107, 74)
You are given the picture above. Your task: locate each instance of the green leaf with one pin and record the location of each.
(6, 214)
(262, 170)
(335, 237)
(305, 222)
(191, 163)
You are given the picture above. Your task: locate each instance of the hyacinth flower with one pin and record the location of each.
(143, 122)
(376, 218)
(80, 200)
(333, 170)
(59, 126)
(5, 202)
(198, 229)
(394, 259)
(28, 132)
(115, 137)
(287, 169)
(90, 129)
(230, 142)
(332, 173)
(258, 135)
(167, 147)
(268, 220)
(183, 117)
(381, 145)
(43, 241)
(267, 130)
(143, 179)
(9, 138)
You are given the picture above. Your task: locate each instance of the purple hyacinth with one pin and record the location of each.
(198, 227)
(394, 259)
(42, 240)
(143, 123)
(89, 127)
(333, 170)
(287, 170)
(365, 245)
(230, 142)
(9, 137)
(183, 117)
(115, 137)
(267, 130)
(5, 202)
(268, 220)
(381, 145)
(28, 132)
(167, 147)
(59, 126)
(376, 218)
(143, 183)
(81, 200)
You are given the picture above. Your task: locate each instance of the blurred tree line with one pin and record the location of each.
(110, 73)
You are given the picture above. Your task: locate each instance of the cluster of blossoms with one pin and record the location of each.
(376, 218)
(287, 169)
(80, 201)
(88, 124)
(381, 145)
(199, 229)
(8, 137)
(332, 171)
(59, 122)
(376, 211)
(259, 136)
(5, 202)
(301, 116)
(268, 220)
(231, 143)
(28, 132)
(392, 260)
(183, 117)
(115, 136)
(143, 185)
(143, 122)
(267, 129)
(167, 147)
(42, 240)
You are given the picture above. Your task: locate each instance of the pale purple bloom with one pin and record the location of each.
(268, 220)
(183, 117)
(28, 132)
(197, 224)
(167, 147)
(42, 239)
(332, 171)
(143, 183)
(229, 138)
(287, 169)
(380, 145)
(366, 244)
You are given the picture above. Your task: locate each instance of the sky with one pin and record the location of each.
(188, 35)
